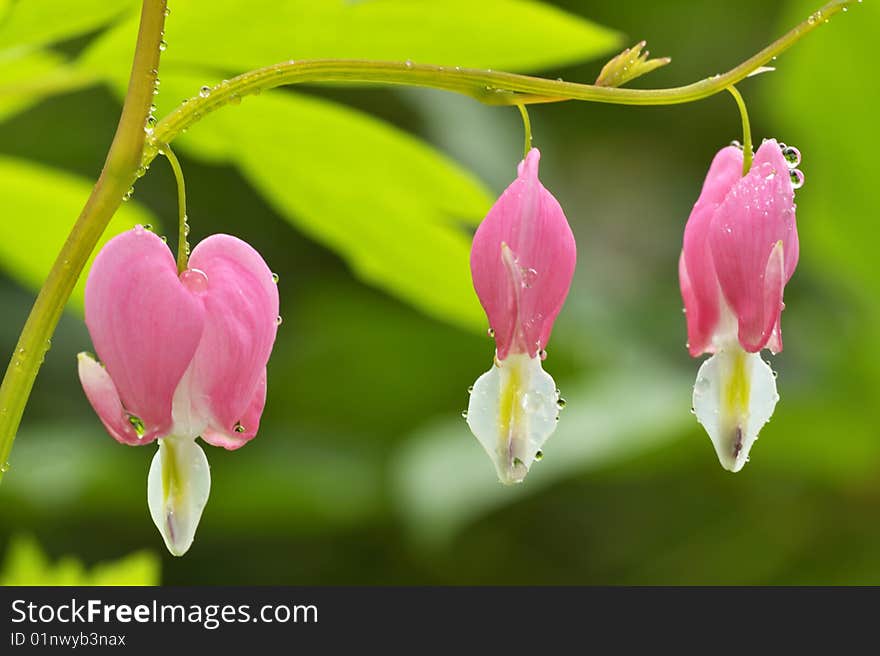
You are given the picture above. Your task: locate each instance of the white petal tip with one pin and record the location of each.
(512, 411)
(734, 396)
(178, 486)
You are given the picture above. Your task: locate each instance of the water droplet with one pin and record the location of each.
(408, 63)
(164, 239)
(797, 178)
(275, 278)
(151, 120)
(464, 414)
(163, 45)
(542, 354)
(153, 108)
(560, 403)
(528, 277)
(5, 467)
(148, 226)
(491, 333)
(205, 91)
(195, 280)
(278, 320)
(471, 389)
(167, 11)
(137, 424)
(792, 156)
(128, 194)
(238, 428)
(539, 456)
(736, 144)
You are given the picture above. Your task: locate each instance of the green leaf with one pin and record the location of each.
(824, 98)
(31, 23)
(444, 480)
(40, 206)
(26, 564)
(27, 77)
(231, 35)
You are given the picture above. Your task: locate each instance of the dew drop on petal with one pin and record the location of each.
(797, 178)
(195, 280)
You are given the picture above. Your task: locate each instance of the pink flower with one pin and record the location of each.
(522, 262)
(183, 356)
(740, 249)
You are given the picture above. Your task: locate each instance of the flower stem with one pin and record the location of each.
(747, 130)
(490, 87)
(117, 176)
(527, 127)
(182, 225)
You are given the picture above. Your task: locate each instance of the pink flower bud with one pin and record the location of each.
(740, 249)
(522, 262)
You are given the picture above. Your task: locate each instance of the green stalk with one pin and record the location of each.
(490, 87)
(747, 129)
(117, 176)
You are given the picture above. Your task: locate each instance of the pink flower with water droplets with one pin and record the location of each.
(740, 249)
(522, 261)
(182, 356)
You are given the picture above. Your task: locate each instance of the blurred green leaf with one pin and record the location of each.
(26, 77)
(40, 207)
(444, 480)
(26, 564)
(231, 35)
(30, 23)
(824, 98)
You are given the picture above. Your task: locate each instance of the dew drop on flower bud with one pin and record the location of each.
(137, 424)
(278, 320)
(195, 280)
(797, 178)
(275, 278)
(539, 456)
(238, 428)
(491, 333)
(792, 155)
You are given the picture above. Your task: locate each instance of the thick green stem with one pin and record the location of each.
(747, 129)
(491, 87)
(117, 176)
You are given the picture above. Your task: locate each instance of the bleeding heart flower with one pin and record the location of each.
(522, 262)
(740, 249)
(183, 356)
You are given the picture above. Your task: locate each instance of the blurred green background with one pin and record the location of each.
(364, 471)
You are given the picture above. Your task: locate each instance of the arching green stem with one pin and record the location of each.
(182, 225)
(747, 129)
(490, 87)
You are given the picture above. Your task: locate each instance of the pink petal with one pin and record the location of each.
(102, 394)
(241, 311)
(522, 261)
(757, 219)
(699, 285)
(250, 423)
(144, 324)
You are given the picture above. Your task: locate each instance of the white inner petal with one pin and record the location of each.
(734, 396)
(512, 411)
(177, 490)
